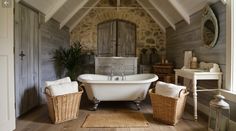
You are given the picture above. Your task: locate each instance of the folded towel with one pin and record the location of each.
(62, 89)
(59, 81)
(168, 89)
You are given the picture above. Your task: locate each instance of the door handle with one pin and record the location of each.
(22, 55)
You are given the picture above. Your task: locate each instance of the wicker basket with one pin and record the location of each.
(64, 107)
(166, 109)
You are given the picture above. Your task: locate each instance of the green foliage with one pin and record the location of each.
(153, 50)
(68, 61)
(144, 50)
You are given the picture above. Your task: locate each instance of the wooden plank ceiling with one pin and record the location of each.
(166, 13)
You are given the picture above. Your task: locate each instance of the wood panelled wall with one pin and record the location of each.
(26, 59)
(188, 37)
(51, 38)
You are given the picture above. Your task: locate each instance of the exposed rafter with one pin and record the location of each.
(224, 2)
(178, 7)
(153, 17)
(84, 14)
(72, 13)
(49, 14)
(17, 1)
(164, 15)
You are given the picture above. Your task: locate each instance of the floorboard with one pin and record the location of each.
(37, 120)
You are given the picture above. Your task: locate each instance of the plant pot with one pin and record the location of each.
(154, 58)
(144, 59)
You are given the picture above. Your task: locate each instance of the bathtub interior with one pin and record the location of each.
(91, 77)
(139, 77)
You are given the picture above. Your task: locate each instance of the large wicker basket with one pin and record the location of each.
(64, 107)
(166, 109)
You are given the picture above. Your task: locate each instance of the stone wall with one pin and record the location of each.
(149, 34)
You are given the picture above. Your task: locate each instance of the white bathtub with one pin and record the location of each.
(132, 88)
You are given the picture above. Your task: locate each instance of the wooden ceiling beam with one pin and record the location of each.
(153, 17)
(49, 14)
(17, 1)
(72, 13)
(224, 2)
(84, 14)
(163, 14)
(179, 8)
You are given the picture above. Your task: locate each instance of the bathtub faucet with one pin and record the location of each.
(111, 75)
(123, 76)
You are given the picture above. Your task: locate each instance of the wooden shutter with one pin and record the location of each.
(126, 39)
(107, 39)
(117, 38)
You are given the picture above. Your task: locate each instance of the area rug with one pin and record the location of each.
(116, 120)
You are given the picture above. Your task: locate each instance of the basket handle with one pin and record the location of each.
(82, 85)
(47, 91)
(182, 91)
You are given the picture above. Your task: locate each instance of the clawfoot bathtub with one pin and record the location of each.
(117, 88)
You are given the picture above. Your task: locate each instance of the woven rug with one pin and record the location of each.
(117, 120)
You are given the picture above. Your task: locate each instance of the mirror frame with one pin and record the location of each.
(208, 14)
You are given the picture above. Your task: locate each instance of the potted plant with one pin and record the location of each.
(144, 60)
(154, 57)
(68, 61)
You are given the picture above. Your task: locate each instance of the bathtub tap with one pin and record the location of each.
(123, 76)
(111, 75)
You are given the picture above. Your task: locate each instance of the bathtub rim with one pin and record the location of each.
(154, 78)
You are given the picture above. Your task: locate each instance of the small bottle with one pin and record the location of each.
(193, 63)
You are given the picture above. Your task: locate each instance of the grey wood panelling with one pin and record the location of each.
(188, 37)
(27, 65)
(51, 38)
(116, 65)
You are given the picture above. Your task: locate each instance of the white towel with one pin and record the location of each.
(62, 89)
(168, 89)
(59, 81)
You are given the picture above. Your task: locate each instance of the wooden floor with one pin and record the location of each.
(37, 120)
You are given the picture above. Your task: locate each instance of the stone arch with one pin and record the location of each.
(148, 32)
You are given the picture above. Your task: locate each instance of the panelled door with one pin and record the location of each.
(7, 96)
(26, 59)
(116, 38)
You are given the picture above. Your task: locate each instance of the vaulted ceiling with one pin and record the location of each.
(164, 12)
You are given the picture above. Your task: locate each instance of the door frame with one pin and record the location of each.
(7, 121)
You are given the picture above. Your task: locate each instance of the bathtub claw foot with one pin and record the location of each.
(95, 106)
(137, 103)
(138, 106)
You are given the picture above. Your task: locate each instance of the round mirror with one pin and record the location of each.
(209, 28)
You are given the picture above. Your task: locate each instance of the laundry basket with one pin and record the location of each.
(64, 107)
(166, 109)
